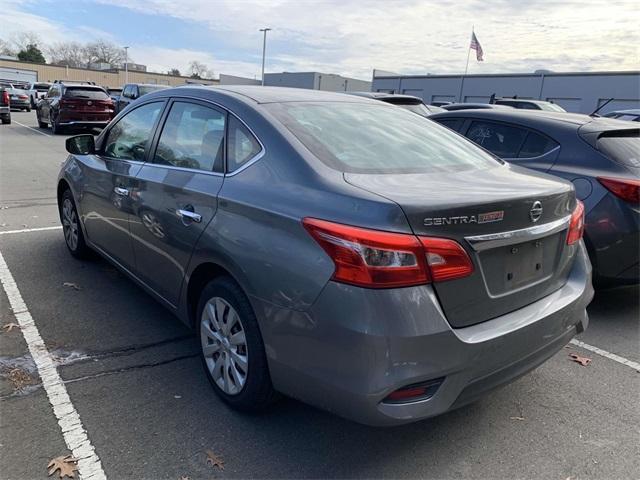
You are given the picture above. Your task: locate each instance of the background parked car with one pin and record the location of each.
(471, 106)
(408, 102)
(17, 95)
(36, 91)
(630, 115)
(529, 104)
(74, 104)
(5, 108)
(440, 103)
(600, 156)
(114, 93)
(132, 91)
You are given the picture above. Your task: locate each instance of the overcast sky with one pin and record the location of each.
(348, 37)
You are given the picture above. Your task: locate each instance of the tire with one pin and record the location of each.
(256, 393)
(28, 109)
(6, 120)
(73, 237)
(55, 128)
(41, 124)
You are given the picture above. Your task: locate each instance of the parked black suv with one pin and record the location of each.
(132, 91)
(74, 104)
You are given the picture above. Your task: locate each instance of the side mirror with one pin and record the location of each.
(81, 144)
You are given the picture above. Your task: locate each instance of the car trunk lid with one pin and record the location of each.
(512, 222)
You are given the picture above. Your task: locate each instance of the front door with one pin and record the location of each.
(176, 194)
(107, 195)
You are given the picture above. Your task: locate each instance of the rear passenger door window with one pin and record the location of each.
(502, 140)
(452, 123)
(536, 145)
(192, 137)
(243, 145)
(130, 137)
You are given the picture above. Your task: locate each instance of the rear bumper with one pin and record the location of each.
(20, 103)
(83, 123)
(612, 230)
(356, 346)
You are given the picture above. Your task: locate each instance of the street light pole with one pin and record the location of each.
(126, 64)
(264, 49)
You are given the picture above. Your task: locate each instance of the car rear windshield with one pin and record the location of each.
(365, 138)
(41, 88)
(86, 92)
(621, 147)
(144, 89)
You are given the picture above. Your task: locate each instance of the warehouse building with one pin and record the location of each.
(112, 78)
(575, 92)
(316, 81)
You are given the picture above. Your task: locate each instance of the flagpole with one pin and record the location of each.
(466, 68)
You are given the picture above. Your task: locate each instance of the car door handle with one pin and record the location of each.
(186, 214)
(121, 191)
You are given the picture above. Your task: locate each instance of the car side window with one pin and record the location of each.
(536, 145)
(242, 145)
(53, 92)
(127, 91)
(502, 140)
(452, 123)
(192, 137)
(128, 139)
(527, 106)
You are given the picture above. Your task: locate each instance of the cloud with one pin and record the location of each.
(352, 37)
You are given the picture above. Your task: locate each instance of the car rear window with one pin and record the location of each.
(84, 92)
(364, 138)
(621, 147)
(42, 88)
(144, 89)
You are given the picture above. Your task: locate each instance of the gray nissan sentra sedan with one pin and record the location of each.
(332, 248)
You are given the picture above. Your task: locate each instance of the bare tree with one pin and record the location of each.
(71, 54)
(174, 71)
(102, 51)
(6, 48)
(21, 40)
(199, 70)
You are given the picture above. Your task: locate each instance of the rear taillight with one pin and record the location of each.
(22, 97)
(377, 259)
(5, 97)
(576, 226)
(624, 188)
(446, 258)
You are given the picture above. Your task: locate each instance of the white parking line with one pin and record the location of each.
(75, 436)
(35, 130)
(609, 355)
(27, 230)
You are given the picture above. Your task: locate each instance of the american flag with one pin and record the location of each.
(475, 45)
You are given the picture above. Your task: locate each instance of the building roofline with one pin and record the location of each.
(111, 70)
(492, 75)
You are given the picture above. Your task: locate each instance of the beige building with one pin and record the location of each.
(27, 71)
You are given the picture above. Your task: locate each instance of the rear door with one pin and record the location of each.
(110, 185)
(514, 143)
(176, 193)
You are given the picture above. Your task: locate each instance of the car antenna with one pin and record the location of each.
(595, 112)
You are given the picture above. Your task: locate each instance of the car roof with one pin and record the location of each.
(529, 100)
(633, 111)
(260, 94)
(541, 119)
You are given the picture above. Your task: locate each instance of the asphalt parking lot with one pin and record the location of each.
(132, 373)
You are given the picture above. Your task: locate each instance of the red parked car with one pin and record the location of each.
(74, 105)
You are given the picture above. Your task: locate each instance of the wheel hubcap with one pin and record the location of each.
(70, 224)
(224, 345)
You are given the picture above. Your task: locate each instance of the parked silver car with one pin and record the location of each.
(333, 248)
(17, 96)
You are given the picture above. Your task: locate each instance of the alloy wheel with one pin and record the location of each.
(70, 224)
(224, 345)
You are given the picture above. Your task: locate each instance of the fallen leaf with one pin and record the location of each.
(66, 466)
(516, 418)
(214, 460)
(584, 361)
(19, 378)
(10, 326)
(75, 286)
